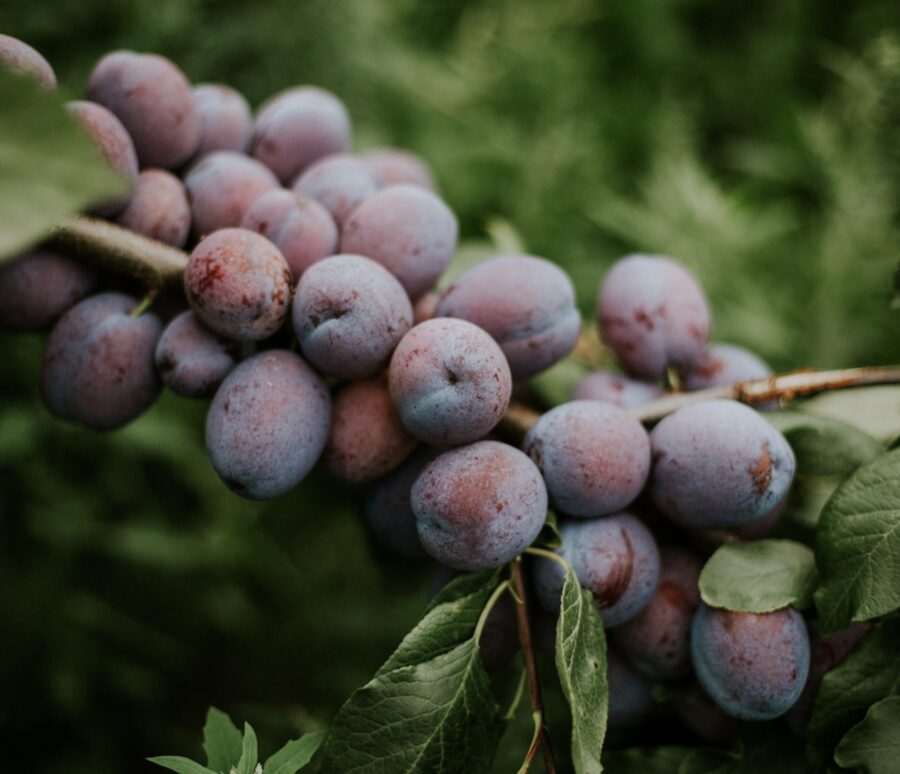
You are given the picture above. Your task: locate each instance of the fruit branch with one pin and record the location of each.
(157, 264)
(783, 388)
(122, 251)
(541, 739)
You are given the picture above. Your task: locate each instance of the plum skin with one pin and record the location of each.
(718, 464)
(300, 227)
(657, 640)
(159, 208)
(408, 230)
(97, 367)
(594, 456)
(653, 314)
(191, 359)
(339, 182)
(725, 364)
(449, 381)
(225, 119)
(222, 186)
(616, 389)
(267, 424)
(752, 665)
(526, 303)
(615, 558)
(367, 439)
(17, 56)
(39, 286)
(388, 510)
(152, 98)
(478, 506)
(238, 284)
(349, 314)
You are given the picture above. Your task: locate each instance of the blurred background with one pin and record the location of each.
(757, 142)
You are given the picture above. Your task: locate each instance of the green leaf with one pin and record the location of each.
(180, 765)
(824, 446)
(759, 576)
(449, 620)
(873, 745)
(556, 384)
(436, 716)
(221, 741)
(857, 545)
(294, 755)
(870, 673)
(430, 707)
(874, 410)
(249, 752)
(49, 169)
(646, 760)
(581, 664)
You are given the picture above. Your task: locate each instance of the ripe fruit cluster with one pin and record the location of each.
(309, 316)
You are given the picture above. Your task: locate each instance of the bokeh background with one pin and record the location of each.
(757, 142)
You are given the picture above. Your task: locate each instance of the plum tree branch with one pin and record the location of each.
(541, 739)
(157, 264)
(112, 247)
(519, 419)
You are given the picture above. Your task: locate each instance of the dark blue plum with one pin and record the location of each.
(725, 364)
(527, 304)
(752, 665)
(630, 694)
(595, 457)
(479, 506)
(268, 424)
(191, 359)
(614, 557)
(657, 640)
(367, 439)
(653, 314)
(718, 464)
(98, 363)
(349, 315)
(449, 381)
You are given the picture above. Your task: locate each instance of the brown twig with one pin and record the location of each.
(542, 740)
(123, 251)
(519, 419)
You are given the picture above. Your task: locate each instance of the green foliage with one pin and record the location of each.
(874, 410)
(230, 752)
(581, 665)
(825, 447)
(873, 745)
(49, 168)
(870, 673)
(857, 544)
(430, 707)
(759, 576)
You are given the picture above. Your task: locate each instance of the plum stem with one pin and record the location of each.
(519, 419)
(122, 251)
(541, 739)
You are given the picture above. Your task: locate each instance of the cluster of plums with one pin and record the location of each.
(312, 322)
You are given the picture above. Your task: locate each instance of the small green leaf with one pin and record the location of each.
(870, 673)
(49, 169)
(294, 755)
(759, 576)
(249, 752)
(857, 545)
(430, 707)
(581, 664)
(180, 765)
(221, 741)
(824, 446)
(873, 745)
(874, 410)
